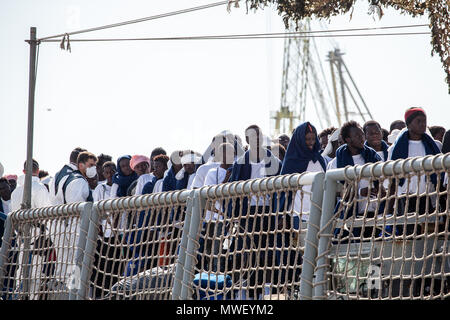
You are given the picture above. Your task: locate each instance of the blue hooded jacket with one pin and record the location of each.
(122, 180)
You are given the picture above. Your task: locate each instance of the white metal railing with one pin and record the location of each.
(349, 243)
(390, 241)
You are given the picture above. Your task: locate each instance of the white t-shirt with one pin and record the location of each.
(381, 154)
(6, 206)
(190, 181)
(200, 174)
(415, 149)
(215, 176)
(364, 183)
(39, 194)
(158, 186)
(103, 192)
(142, 180)
(332, 164)
(258, 171)
(300, 210)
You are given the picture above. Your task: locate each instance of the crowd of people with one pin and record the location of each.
(87, 177)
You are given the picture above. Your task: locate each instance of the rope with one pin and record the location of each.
(243, 37)
(124, 23)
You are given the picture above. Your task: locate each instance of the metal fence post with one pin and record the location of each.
(79, 254)
(89, 252)
(181, 263)
(328, 205)
(309, 258)
(198, 204)
(6, 247)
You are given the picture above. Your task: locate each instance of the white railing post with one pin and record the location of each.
(181, 262)
(309, 258)
(89, 252)
(198, 204)
(325, 234)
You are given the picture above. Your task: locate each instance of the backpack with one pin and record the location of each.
(73, 176)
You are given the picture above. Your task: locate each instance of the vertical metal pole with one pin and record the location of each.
(181, 263)
(309, 258)
(86, 213)
(89, 252)
(188, 276)
(341, 79)
(333, 79)
(328, 205)
(357, 90)
(26, 200)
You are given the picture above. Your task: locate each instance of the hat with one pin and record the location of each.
(11, 177)
(410, 114)
(393, 136)
(333, 137)
(136, 159)
(191, 158)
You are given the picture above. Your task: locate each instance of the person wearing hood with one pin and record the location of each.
(39, 194)
(303, 155)
(124, 177)
(374, 139)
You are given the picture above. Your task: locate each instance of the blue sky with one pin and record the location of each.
(128, 98)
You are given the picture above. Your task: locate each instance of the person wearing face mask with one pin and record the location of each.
(76, 187)
(56, 183)
(39, 194)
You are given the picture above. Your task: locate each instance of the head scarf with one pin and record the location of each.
(136, 159)
(122, 180)
(298, 155)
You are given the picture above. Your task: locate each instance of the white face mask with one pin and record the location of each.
(91, 172)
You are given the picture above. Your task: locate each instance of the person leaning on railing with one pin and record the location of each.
(414, 142)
